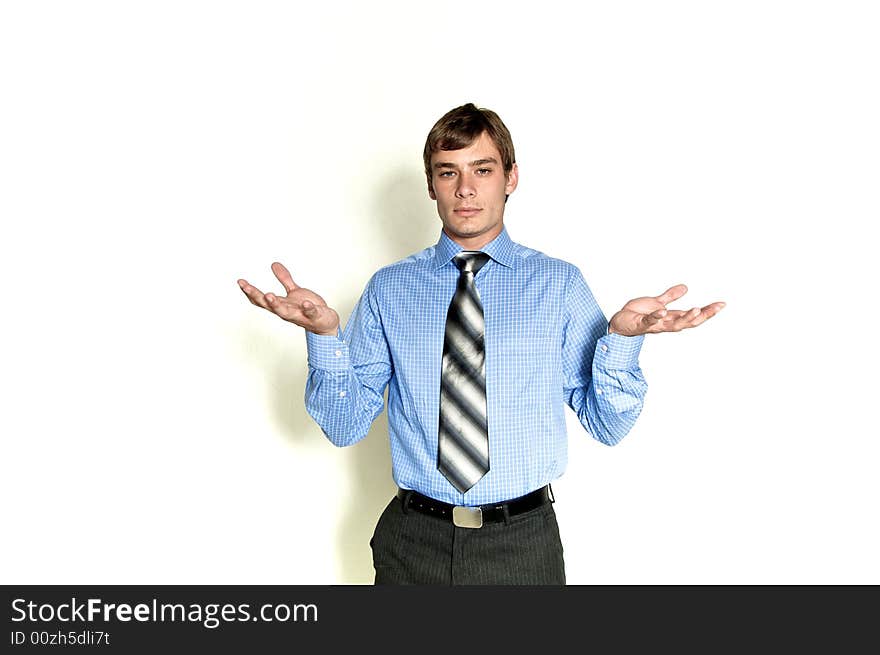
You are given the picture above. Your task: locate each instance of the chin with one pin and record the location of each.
(466, 233)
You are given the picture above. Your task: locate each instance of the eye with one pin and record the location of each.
(446, 174)
(484, 171)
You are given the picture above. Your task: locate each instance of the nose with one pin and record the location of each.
(465, 187)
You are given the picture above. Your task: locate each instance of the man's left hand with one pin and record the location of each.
(649, 314)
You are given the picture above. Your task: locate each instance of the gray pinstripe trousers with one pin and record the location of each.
(416, 549)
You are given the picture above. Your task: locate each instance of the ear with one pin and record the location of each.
(431, 194)
(512, 179)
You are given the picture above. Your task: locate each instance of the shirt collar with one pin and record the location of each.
(501, 249)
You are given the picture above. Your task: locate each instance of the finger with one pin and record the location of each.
(673, 315)
(690, 318)
(689, 315)
(305, 315)
(654, 317)
(282, 308)
(708, 312)
(253, 294)
(672, 293)
(284, 276)
(675, 320)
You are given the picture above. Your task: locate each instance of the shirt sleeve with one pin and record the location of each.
(348, 374)
(603, 383)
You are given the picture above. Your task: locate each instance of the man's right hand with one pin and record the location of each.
(301, 306)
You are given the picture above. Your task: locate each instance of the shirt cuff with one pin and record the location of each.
(327, 352)
(615, 351)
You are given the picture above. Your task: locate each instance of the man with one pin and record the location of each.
(481, 342)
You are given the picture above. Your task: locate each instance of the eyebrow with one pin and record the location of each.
(476, 162)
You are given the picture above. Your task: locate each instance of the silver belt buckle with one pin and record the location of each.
(467, 517)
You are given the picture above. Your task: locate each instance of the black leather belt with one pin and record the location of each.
(474, 517)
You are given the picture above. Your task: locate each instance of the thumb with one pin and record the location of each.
(672, 293)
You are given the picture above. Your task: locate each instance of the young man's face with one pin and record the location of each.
(470, 188)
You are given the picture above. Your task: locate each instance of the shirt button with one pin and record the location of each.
(598, 392)
(339, 353)
(342, 394)
(604, 347)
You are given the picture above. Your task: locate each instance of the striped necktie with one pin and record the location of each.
(463, 456)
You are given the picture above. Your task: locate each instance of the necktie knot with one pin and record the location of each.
(469, 261)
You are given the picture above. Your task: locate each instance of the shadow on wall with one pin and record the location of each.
(402, 221)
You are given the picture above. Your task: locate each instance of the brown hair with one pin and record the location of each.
(460, 127)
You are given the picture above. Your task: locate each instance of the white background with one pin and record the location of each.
(151, 153)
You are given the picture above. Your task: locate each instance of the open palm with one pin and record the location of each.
(300, 306)
(649, 314)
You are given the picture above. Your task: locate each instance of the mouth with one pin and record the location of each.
(467, 211)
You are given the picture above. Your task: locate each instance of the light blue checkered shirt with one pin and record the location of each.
(546, 346)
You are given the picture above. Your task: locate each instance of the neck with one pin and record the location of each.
(475, 242)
